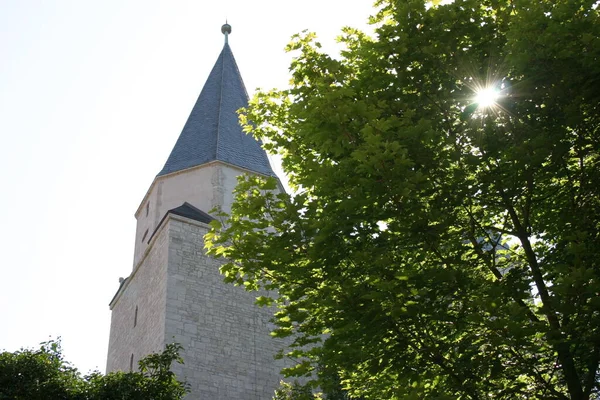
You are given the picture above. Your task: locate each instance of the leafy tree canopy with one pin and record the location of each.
(435, 247)
(294, 391)
(44, 375)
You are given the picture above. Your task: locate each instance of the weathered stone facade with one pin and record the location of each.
(228, 349)
(146, 291)
(181, 297)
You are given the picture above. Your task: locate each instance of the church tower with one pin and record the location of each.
(175, 292)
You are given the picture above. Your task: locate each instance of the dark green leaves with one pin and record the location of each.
(437, 248)
(43, 374)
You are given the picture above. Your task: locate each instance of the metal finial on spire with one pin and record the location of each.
(226, 30)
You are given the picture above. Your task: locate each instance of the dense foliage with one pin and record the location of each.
(294, 391)
(44, 375)
(435, 247)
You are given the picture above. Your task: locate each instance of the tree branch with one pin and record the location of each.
(590, 379)
(539, 376)
(441, 362)
(556, 337)
(494, 270)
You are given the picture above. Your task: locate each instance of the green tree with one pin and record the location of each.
(294, 391)
(38, 374)
(44, 375)
(435, 246)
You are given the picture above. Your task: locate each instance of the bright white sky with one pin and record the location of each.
(93, 95)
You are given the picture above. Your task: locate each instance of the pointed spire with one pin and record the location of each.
(212, 131)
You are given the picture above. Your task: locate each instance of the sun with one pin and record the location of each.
(486, 97)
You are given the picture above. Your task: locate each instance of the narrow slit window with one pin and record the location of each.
(145, 234)
(147, 208)
(135, 317)
(131, 362)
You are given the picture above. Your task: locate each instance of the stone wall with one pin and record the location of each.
(145, 289)
(181, 297)
(228, 350)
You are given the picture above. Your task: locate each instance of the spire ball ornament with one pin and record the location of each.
(226, 29)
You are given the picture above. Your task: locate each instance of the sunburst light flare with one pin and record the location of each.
(486, 97)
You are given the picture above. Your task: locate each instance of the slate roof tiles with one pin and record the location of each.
(212, 131)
